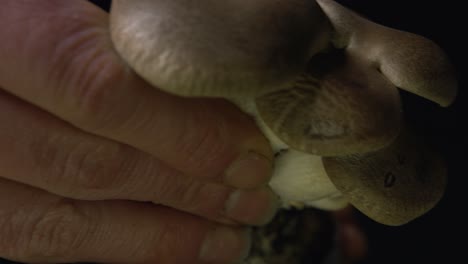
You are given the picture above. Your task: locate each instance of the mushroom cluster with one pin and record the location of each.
(321, 82)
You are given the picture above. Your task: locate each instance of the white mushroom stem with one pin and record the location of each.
(299, 178)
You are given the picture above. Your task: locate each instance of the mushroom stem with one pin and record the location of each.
(299, 178)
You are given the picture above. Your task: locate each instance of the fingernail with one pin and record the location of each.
(225, 244)
(254, 207)
(249, 171)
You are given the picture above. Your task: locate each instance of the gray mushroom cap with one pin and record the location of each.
(393, 185)
(218, 48)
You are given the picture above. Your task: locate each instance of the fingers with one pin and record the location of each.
(59, 57)
(42, 151)
(39, 227)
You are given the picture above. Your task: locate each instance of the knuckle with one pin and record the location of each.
(167, 188)
(83, 168)
(45, 153)
(8, 234)
(204, 142)
(87, 169)
(190, 195)
(58, 233)
(88, 75)
(93, 100)
(101, 170)
(92, 96)
(177, 190)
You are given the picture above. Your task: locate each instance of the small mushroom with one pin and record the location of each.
(392, 185)
(319, 80)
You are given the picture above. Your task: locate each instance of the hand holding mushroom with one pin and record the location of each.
(320, 81)
(98, 166)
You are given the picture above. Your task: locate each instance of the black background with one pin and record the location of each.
(439, 236)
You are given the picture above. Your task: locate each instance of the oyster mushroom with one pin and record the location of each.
(378, 183)
(320, 81)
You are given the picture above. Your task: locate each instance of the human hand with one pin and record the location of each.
(98, 166)
(351, 238)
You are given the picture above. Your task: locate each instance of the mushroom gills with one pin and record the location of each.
(299, 178)
(393, 185)
(338, 106)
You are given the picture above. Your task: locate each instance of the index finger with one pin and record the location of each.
(58, 55)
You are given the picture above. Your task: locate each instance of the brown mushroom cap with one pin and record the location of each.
(393, 185)
(339, 106)
(411, 62)
(218, 48)
(351, 104)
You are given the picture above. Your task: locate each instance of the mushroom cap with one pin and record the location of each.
(347, 100)
(218, 48)
(393, 185)
(339, 106)
(411, 62)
